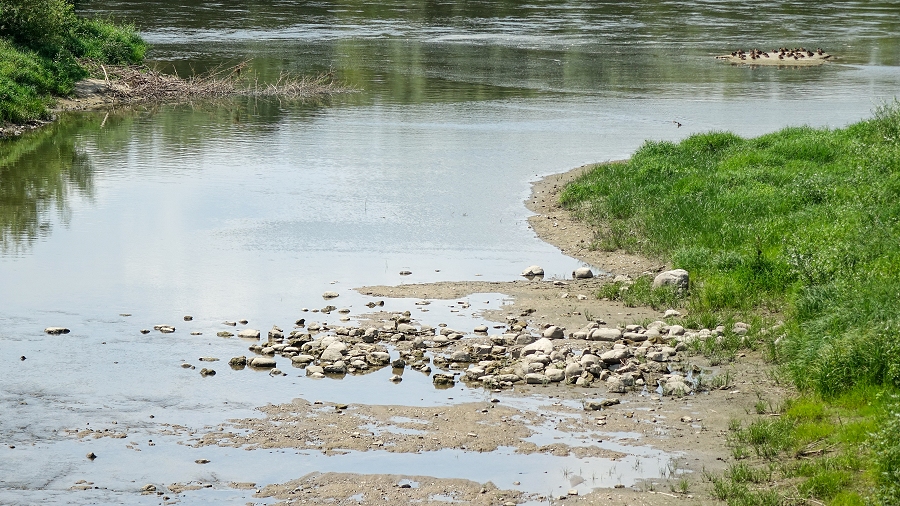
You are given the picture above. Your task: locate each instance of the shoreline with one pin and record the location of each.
(556, 226)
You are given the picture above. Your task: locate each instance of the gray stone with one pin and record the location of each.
(534, 270)
(481, 329)
(333, 352)
(615, 385)
(554, 332)
(657, 356)
(615, 355)
(238, 361)
(582, 273)
(338, 367)
(249, 334)
(595, 405)
(460, 356)
(573, 371)
(554, 374)
(262, 362)
(378, 358)
(542, 346)
(536, 379)
(315, 369)
(165, 329)
(330, 295)
(678, 278)
(606, 334)
(55, 331)
(671, 313)
(303, 359)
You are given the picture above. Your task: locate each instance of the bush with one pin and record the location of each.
(41, 42)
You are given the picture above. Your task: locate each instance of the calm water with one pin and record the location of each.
(254, 208)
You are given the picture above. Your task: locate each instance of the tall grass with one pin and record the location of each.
(41, 43)
(803, 220)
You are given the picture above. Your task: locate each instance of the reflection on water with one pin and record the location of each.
(38, 175)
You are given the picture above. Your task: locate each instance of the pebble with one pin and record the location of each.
(55, 331)
(188, 318)
(91, 456)
(207, 372)
(405, 273)
(202, 461)
(396, 378)
(249, 334)
(224, 333)
(229, 323)
(330, 295)
(145, 331)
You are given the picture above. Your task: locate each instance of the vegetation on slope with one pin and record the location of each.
(804, 223)
(42, 45)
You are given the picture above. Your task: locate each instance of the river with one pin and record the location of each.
(253, 208)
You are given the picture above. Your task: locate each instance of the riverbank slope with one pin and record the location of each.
(801, 223)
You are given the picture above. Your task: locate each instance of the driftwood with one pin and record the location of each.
(140, 83)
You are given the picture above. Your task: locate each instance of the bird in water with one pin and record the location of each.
(677, 124)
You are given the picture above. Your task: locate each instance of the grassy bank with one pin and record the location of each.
(41, 45)
(804, 224)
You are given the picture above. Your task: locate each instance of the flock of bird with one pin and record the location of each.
(781, 53)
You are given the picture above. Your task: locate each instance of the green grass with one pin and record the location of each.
(41, 44)
(802, 224)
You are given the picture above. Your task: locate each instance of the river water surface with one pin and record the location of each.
(252, 209)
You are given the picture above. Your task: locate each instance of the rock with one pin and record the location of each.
(313, 370)
(202, 461)
(671, 313)
(554, 374)
(657, 356)
(554, 332)
(238, 361)
(481, 329)
(536, 379)
(678, 278)
(615, 355)
(605, 334)
(207, 372)
(249, 334)
(91, 456)
(334, 352)
(615, 385)
(405, 273)
(224, 333)
(55, 331)
(534, 270)
(330, 295)
(582, 273)
(687, 419)
(229, 323)
(303, 359)
(262, 362)
(460, 356)
(398, 364)
(676, 330)
(396, 378)
(573, 371)
(148, 488)
(378, 358)
(145, 331)
(443, 379)
(165, 329)
(595, 405)
(543, 346)
(338, 367)
(188, 318)
(275, 334)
